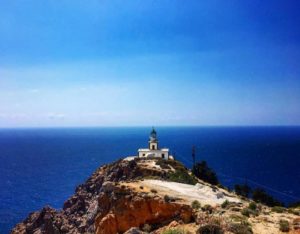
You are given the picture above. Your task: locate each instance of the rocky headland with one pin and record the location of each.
(156, 196)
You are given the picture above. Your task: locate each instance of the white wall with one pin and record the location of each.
(153, 145)
(157, 153)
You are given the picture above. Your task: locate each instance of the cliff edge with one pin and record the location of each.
(155, 196)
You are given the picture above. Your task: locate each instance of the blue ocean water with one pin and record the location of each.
(43, 166)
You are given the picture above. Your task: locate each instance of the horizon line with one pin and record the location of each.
(143, 126)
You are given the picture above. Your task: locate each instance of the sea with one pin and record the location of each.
(41, 167)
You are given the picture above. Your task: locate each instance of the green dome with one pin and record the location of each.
(153, 135)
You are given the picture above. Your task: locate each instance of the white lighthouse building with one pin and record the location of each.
(153, 151)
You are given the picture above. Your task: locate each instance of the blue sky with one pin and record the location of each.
(167, 62)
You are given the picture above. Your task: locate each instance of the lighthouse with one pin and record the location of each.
(153, 150)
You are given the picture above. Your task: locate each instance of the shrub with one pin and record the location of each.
(252, 206)
(196, 205)
(174, 231)
(240, 228)
(181, 176)
(163, 164)
(203, 172)
(176, 165)
(237, 218)
(278, 209)
(153, 191)
(294, 211)
(210, 229)
(247, 212)
(242, 190)
(284, 225)
(207, 208)
(225, 204)
(259, 195)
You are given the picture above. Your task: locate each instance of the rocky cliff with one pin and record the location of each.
(142, 196)
(103, 205)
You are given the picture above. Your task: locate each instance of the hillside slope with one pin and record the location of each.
(146, 194)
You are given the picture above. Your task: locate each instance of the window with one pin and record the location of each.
(163, 155)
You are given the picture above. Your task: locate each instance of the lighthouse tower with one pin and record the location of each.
(153, 142)
(153, 151)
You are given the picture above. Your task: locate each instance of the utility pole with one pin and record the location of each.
(194, 155)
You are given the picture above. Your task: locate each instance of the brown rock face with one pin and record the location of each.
(48, 220)
(127, 209)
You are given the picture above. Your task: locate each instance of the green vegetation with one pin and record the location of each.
(223, 187)
(210, 229)
(176, 165)
(252, 209)
(284, 226)
(167, 164)
(259, 195)
(278, 209)
(239, 225)
(240, 228)
(242, 190)
(225, 204)
(164, 164)
(203, 172)
(294, 211)
(174, 231)
(207, 208)
(238, 218)
(196, 205)
(247, 212)
(181, 176)
(252, 206)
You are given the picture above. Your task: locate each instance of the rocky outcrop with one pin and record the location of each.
(130, 197)
(48, 220)
(102, 205)
(124, 209)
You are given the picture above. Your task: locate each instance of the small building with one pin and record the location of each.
(153, 151)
